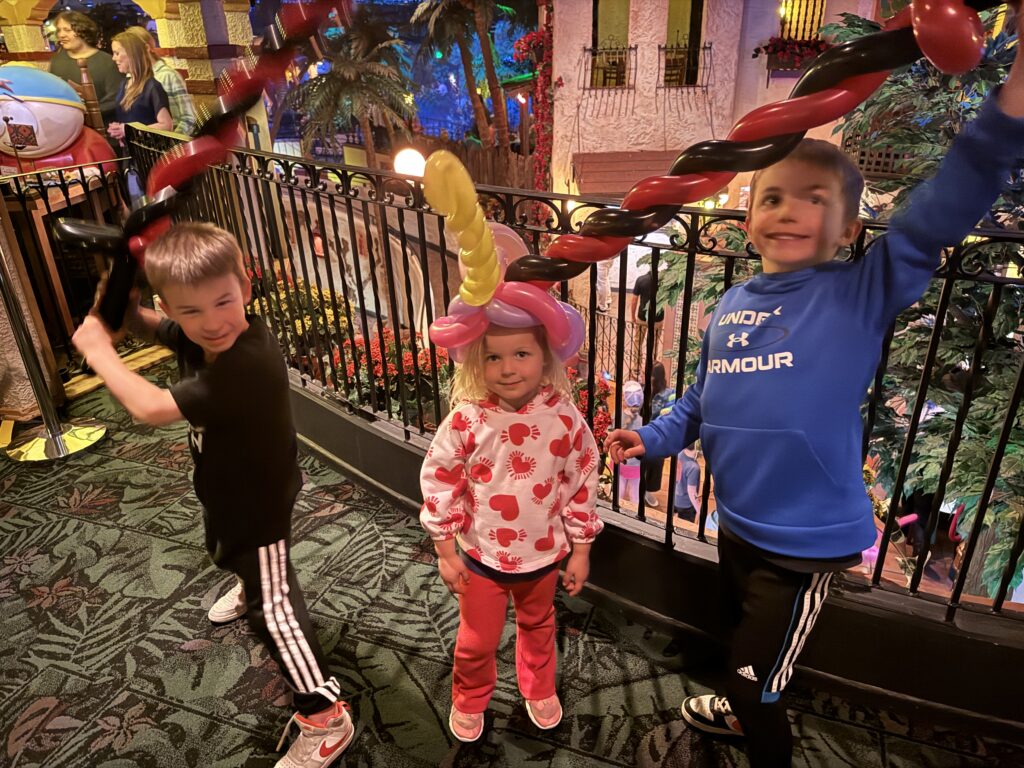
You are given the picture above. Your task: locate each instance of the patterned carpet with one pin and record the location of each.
(107, 659)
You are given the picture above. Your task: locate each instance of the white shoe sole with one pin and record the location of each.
(529, 712)
(451, 727)
(702, 726)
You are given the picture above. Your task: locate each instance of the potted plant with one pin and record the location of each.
(786, 54)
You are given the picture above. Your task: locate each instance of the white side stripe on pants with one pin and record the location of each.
(813, 599)
(291, 643)
(293, 624)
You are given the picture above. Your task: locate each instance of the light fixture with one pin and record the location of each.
(709, 204)
(521, 99)
(782, 10)
(409, 162)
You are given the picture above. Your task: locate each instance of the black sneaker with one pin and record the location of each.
(711, 714)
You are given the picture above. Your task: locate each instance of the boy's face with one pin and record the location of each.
(211, 313)
(798, 216)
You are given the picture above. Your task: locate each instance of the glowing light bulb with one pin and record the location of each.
(409, 162)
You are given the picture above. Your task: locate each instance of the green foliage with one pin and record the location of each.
(365, 82)
(918, 110)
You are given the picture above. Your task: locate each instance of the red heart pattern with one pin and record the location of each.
(449, 476)
(505, 536)
(561, 447)
(541, 490)
(481, 472)
(548, 542)
(459, 422)
(519, 432)
(507, 505)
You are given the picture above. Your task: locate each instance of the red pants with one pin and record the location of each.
(482, 611)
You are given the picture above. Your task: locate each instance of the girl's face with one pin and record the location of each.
(513, 365)
(120, 57)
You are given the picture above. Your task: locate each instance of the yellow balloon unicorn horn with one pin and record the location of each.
(451, 192)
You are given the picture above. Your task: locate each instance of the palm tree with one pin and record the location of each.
(483, 15)
(360, 86)
(449, 25)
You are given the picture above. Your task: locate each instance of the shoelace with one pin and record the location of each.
(284, 733)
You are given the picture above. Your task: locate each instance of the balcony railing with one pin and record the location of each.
(350, 266)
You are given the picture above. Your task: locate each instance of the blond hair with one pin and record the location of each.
(468, 383)
(140, 66)
(192, 252)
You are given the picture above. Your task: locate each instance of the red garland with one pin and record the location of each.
(538, 45)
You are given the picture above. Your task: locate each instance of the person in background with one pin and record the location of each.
(687, 494)
(77, 35)
(644, 298)
(183, 114)
(660, 399)
(141, 98)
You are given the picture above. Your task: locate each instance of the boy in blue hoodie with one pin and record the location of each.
(785, 364)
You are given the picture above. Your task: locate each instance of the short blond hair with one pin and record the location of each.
(468, 382)
(192, 252)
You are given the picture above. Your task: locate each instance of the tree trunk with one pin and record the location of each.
(479, 113)
(371, 151)
(391, 136)
(497, 95)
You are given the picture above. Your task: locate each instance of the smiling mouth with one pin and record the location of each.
(787, 237)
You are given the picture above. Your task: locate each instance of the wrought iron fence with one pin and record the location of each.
(349, 267)
(63, 282)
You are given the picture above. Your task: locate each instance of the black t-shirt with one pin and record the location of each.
(146, 107)
(240, 432)
(643, 288)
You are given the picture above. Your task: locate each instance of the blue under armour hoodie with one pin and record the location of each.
(788, 357)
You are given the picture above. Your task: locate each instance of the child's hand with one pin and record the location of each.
(624, 444)
(576, 570)
(92, 337)
(454, 573)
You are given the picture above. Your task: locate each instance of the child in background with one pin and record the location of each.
(511, 476)
(687, 493)
(629, 471)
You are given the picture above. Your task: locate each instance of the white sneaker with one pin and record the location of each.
(229, 606)
(317, 746)
(650, 499)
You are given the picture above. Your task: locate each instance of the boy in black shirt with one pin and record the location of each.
(233, 393)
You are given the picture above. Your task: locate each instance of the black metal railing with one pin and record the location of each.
(350, 266)
(63, 282)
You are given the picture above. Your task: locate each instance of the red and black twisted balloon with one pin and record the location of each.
(176, 171)
(948, 32)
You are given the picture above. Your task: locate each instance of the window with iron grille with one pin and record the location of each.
(611, 67)
(801, 19)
